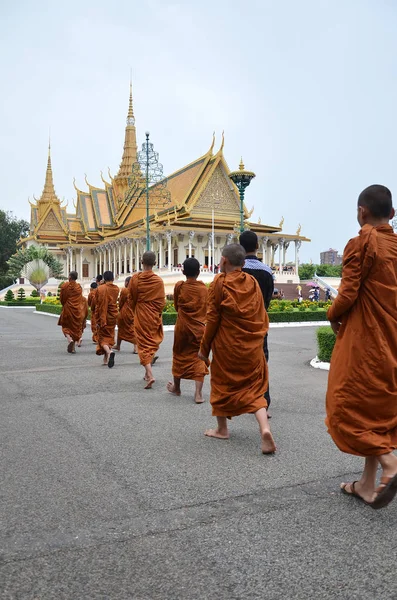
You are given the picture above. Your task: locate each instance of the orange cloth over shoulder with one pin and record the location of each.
(92, 304)
(74, 310)
(237, 323)
(362, 385)
(106, 315)
(125, 319)
(148, 300)
(190, 300)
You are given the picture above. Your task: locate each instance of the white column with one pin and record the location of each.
(264, 249)
(67, 262)
(114, 259)
(124, 270)
(137, 255)
(298, 244)
(209, 249)
(81, 263)
(160, 242)
(131, 257)
(119, 269)
(71, 260)
(109, 261)
(169, 240)
(191, 238)
(280, 262)
(96, 262)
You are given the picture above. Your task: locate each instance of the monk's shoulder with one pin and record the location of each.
(352, 247)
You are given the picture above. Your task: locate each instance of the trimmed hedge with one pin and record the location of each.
(54, 309)
(298, 317)
(30, 302)
(169, 318)
(325, 343)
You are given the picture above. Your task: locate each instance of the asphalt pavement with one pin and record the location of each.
(110, 491)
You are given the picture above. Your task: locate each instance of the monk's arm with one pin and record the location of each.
(176, 295)
(212, 323)
(63, 295)
(351, 281)
(132, 291)
(122, 300)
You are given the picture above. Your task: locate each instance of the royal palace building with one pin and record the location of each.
(192, 212)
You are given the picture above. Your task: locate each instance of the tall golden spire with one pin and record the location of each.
(130, 147)
(48, 195)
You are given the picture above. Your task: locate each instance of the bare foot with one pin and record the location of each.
(79, 343)
(105, 359)
(216, 434)
(172, 389)
(268, 445)
(356, 489)
(149, 384)
(199, 399)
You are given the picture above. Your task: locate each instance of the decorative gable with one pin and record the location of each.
(219, 195)
(51, 224)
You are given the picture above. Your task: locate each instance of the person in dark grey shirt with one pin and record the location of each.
(264, 276)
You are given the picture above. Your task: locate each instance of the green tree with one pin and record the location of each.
(21, 294)
(35, 294)
(9, 297)
(11, 230)
(306, 271)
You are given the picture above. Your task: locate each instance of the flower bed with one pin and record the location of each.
(325, 343)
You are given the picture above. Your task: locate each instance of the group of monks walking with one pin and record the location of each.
(222, 330)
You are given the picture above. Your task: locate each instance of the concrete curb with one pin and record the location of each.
(19, 307)
(317, 364)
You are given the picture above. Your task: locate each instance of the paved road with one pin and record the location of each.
(112, 492)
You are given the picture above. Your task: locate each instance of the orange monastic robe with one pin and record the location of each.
(74, 310)
(190, 300)
(92, 304)
(125, 319)
(237, 323)
(106, 314)
(362, 385)
(148, 300)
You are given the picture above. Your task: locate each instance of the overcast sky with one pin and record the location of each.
(305, 91)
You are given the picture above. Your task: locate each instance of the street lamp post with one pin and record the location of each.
(147, 194)
(241, 179)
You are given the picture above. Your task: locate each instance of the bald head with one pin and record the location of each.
(73, 276)
(149, 259)
(377, 200)
(234, 254)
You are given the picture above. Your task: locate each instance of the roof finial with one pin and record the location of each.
(223, 141)
(213, 144)
(241, 165)
(130, 115)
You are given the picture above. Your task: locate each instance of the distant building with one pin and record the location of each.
(330, 257)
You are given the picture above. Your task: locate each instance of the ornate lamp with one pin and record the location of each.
(241, 179)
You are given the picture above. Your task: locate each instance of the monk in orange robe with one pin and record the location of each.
(147, 300)
(74, 311)
(362, 386)
(190, 300)
(92, 304)
(125, 319)
(237, 323)
(106, 315)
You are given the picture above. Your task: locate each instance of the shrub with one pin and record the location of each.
(49, 294)
(35, 294)
(9, 297)
(297, 317)
(21, 295)
(51, 300)
(55, 309)
(325, 343)
(169, 318)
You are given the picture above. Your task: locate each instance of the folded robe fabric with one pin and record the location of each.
(92, 304)
(147, 295)
(106, 315)
(125, 318)
(237, 323)
(190, 300)
(362, 386)
(74, 310)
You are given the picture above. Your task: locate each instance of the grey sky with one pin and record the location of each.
(305, 90)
